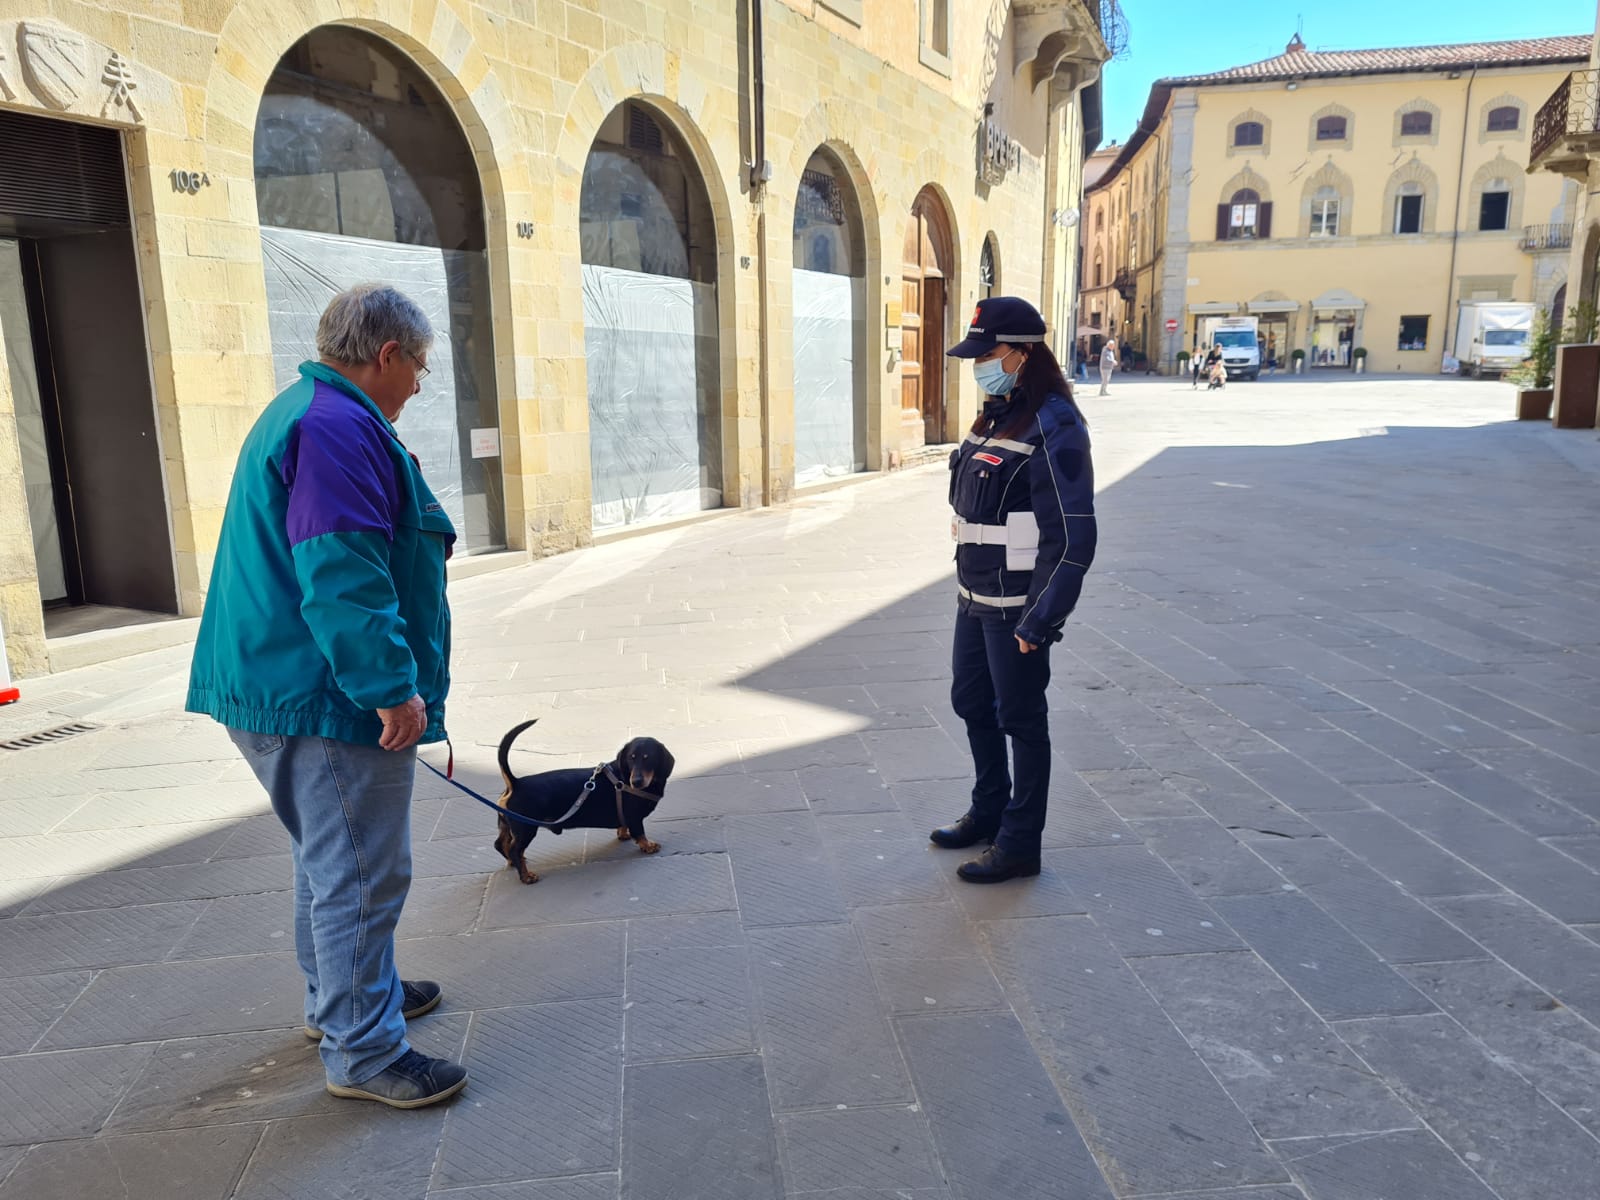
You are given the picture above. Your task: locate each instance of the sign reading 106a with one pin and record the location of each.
(189, 181)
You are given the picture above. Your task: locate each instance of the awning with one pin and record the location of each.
(1272, 306)
(1212, 307)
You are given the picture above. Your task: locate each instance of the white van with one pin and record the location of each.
(1241, 352)
(1492, 335)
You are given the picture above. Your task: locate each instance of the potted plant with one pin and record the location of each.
(1183, 362)
(1359, 354)
(1534, 378)
(1299, 360)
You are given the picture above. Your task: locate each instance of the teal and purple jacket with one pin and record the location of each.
(327, 596)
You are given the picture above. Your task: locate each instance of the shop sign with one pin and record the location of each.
(998, 154)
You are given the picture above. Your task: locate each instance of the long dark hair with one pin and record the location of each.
(1039, 379)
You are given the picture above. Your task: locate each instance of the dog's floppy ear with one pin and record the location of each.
(667, 763)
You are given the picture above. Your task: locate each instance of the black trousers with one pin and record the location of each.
(999, 692)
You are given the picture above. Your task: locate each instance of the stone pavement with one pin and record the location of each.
(1320, 916)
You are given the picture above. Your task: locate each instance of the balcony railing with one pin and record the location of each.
(1546, 237)
(1567, 125)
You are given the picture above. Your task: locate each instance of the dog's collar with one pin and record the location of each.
(621, 786)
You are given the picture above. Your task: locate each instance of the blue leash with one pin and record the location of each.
(449, 772)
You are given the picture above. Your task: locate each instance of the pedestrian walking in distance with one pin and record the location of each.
(1109, 362)
(324, 648)
(1022, 487)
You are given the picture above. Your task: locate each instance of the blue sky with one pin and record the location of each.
(1166, 38)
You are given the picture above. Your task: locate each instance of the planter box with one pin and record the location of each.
(1577, 386)
(1533, 404)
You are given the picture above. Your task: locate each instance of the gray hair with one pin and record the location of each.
(360, 320)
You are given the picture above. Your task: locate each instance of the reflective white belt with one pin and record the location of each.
(970, 533)
(992, 601)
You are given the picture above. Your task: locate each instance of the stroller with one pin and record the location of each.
(1216, 373)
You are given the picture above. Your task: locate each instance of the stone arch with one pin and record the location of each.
(1419, 104)
(1588, 270)
(1331, 110)
(1498, 174)
(1249, 115)
(652, 75)
(1316, 186)
(1246, 178)
(1413, 177)
(1504, 100)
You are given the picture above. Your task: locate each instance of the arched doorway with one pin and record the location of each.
(928, 262)
(1558, 309)
(363, 173)
(830, 417)
(650, 323)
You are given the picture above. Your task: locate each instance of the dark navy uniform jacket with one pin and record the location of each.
(1044, 470)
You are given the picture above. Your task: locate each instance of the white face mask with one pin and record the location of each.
(993, 378)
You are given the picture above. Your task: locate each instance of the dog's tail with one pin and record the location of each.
(505, 752)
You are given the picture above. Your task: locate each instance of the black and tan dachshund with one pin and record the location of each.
(616, 795)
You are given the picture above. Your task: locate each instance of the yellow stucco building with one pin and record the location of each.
(1348, 199)
(680, 254)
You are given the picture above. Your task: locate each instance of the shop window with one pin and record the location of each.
(1416, 124)
(1408, 211)
(1505, 119)
(1494, 207)
(649, 248)
(362, 172)
(1249, 133)
(1325, 213)
(1331, 129)
(829, 324)
(1413, 333)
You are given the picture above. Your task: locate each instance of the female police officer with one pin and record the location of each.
(1022, 487)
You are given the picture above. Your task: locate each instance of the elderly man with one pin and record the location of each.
(324, 649)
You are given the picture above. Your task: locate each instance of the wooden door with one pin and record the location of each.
(933, 348)
(924, 269)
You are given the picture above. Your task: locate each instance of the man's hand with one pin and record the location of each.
(403, 724)
(1025, 647)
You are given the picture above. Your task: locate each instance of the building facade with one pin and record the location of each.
(680, 254)
(1349, 200)
(1566, 145)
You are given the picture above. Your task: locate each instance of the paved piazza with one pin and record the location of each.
(1319, 919)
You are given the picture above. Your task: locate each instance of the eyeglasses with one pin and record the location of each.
(422, 368)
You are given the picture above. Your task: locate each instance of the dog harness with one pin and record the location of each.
(448, 775)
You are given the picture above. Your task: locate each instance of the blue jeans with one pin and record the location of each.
(348, 812)
(999, 692)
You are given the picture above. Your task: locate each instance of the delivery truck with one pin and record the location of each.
(1241, 351)
(1492, 335)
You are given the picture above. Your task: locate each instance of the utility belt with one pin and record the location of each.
(1019, 535)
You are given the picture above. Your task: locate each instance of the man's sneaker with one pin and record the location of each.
(422, 996)
(412, 1081)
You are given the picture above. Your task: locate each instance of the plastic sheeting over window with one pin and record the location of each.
(36, 478)
(305, 270)
(829, 432)
(654, 441)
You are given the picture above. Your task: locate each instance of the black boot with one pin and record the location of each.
(963, 833)
(995, 865)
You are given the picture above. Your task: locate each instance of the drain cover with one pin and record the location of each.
(45, 736)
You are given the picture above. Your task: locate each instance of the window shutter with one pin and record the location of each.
(1222, 222)
(1264, 220)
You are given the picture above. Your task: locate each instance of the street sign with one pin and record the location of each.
(1172, 324)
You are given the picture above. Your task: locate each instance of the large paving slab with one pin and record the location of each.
(1319, 917)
